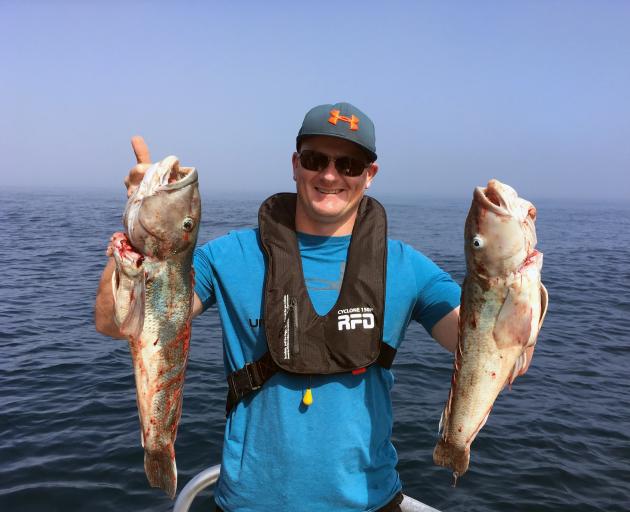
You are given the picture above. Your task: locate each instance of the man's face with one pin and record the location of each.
(328, 200)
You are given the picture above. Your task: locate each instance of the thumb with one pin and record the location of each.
(140, 149)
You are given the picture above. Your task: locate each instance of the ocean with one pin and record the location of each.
(559, 440)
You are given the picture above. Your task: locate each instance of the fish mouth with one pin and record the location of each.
(490, 197)
(180, 177)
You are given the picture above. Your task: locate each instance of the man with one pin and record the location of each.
(315, 302)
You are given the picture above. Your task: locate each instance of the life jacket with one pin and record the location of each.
(349, 337)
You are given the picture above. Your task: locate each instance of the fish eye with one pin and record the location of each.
(188, 224)
(477, 242)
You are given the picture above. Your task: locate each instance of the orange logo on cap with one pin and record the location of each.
(353, 121)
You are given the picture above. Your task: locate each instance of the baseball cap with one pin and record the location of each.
(342, 120)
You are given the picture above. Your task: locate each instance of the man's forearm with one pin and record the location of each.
(446, 330)
(104, 304)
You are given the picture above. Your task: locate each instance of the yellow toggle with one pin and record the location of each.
(308, 397)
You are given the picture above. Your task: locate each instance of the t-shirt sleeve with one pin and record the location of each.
(204, 287)
(437, 293)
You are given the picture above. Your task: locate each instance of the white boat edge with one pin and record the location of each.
(210, 475)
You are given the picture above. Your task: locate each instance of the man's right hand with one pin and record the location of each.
(104, 304)
(143, 159)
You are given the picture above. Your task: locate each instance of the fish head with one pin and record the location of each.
(162, 216)
(500, 232)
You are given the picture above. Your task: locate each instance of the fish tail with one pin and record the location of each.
(451, 456)
(161, 470)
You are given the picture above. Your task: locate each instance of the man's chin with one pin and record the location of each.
(333, 203)
(328, 213)
(329, 201)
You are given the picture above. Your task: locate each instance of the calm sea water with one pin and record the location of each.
(69, 437)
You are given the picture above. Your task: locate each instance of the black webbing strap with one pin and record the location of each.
(386, 356)
(249, 378)
(253, 375)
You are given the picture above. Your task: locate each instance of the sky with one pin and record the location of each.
(533, 93)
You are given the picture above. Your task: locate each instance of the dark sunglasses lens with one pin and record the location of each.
(313, 160)
(349, 166)
(345, 165)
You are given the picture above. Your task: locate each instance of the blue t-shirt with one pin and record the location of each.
(335, 454)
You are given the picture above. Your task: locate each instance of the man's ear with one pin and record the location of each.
(371, 172)
(294, 163)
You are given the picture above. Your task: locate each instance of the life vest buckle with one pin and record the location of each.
(255, 380)
(245, 380)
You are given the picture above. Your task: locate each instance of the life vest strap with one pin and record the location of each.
(386, 355)
(248, 379)
(253, 375)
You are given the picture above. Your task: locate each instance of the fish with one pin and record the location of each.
(153, 285)
(503, 306)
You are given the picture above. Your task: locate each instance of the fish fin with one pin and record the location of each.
(444, 417)
(520, 363)
(161, 470)
(127, 286)
(446, 412)
(122, 287)
(544, 301)
(134, 321)
(514, 322)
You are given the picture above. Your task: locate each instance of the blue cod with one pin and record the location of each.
(503, 306)
(153, 293)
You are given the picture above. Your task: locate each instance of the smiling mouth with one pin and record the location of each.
(330, 191)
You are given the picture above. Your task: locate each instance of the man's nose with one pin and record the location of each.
(330, 171)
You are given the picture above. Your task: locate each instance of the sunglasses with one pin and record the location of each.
(345, 165)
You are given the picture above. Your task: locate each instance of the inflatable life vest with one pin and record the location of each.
(349, 337)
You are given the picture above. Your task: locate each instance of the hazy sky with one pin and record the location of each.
(534, 93)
